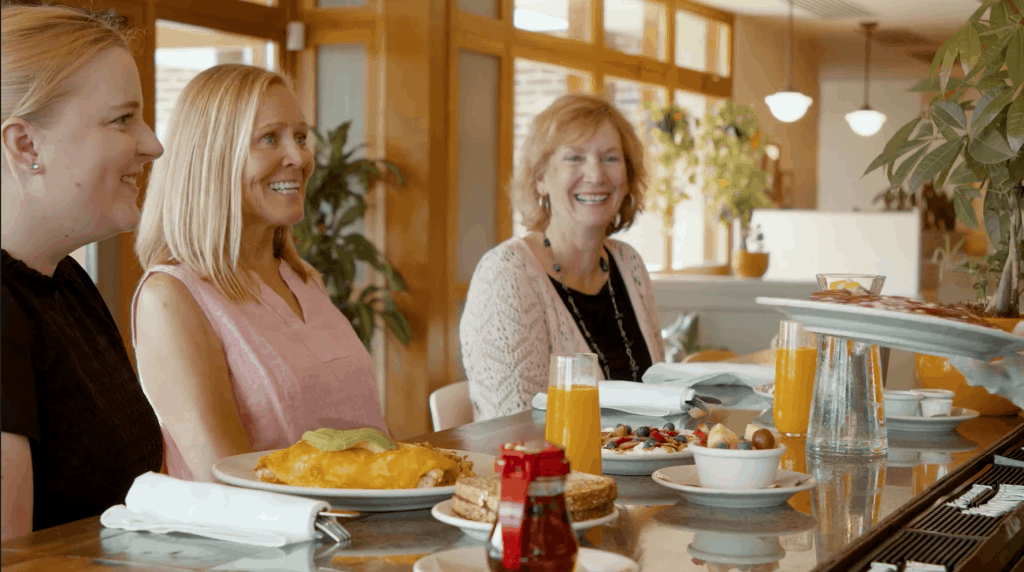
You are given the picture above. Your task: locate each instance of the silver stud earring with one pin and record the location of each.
(34, 166)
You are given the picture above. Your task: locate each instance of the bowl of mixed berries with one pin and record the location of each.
(643, 449)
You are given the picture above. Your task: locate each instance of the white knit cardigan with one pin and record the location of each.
(514, 320)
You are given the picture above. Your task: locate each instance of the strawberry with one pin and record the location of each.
(658, 437)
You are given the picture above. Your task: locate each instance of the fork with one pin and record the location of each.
(327, 522)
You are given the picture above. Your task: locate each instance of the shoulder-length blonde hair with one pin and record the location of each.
(570, 119)
(192, 214)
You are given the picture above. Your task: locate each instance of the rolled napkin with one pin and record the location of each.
(158, 503)
(709, 373)
(636, 398)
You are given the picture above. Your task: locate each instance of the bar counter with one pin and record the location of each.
(656, 528)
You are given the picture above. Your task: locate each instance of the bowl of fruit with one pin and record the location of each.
(725, 460)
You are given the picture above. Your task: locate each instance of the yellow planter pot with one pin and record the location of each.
(749, 264)
(936, 373)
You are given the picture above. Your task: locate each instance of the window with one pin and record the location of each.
(635, 27)
(562, 18)
(182, 51)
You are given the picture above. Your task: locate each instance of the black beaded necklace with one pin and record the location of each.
(634, 369)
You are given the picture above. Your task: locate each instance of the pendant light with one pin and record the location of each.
(787, 106)
(866, 121)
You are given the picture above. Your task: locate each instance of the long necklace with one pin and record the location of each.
(634, 369)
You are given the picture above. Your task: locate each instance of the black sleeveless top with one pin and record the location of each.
(68, 386)
(598, 315)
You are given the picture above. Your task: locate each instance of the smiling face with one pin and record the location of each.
(279, 163)
(93, 153)
(586, 182)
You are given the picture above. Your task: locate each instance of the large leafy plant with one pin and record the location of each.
(982, 152)
(327, 239)
(731, 145)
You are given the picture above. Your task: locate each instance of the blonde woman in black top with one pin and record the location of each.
(76, 426)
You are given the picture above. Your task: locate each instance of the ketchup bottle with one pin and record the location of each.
(532, 532)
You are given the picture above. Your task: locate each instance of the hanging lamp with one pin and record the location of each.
(866, 121)
(787, 106)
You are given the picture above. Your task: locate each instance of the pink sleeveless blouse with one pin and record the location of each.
(289, 376)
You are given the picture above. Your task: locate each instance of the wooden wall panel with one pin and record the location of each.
(414, 102)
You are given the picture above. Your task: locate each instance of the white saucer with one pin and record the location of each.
(474, 559)
(912, 423)
(480, 530)
(766, 390)
(684, 480)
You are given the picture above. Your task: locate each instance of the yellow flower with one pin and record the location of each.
(722, 183)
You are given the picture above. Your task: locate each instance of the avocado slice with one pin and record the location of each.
(338, 440)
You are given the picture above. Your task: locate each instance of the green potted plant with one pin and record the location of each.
(671, 128)
(732, 145)
(982, 157)
(326, 238)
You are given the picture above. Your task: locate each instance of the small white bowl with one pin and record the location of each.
(934, 393)
(736, 468)
(936, 407)
(902, 403)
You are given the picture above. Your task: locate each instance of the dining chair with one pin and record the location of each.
(450, 406)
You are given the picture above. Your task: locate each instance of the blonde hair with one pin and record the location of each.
(42, 48)
(192, 214)
(568, 120)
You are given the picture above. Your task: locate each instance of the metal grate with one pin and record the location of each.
(948, 520)
(1002, 475)
(833, 9)
(925, 547)
(1016, 453)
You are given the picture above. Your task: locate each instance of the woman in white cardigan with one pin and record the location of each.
(565, 287)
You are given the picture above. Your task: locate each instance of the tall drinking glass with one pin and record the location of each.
(795, 360)
(574, 411)
(847, 414)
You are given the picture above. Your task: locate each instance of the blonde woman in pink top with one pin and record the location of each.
(238, 345)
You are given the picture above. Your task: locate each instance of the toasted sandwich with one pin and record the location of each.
(586, 497)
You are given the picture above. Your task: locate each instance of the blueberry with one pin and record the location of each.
(745, 445)
(619, 425)
(643, 431)
(681, 438)
(610, 445)
(722, 445)
(669, 427)
(650, 443)
(628, 429)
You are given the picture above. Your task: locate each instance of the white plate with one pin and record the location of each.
(640, 464)
(766, 390)
(932, 424)
(910, 332)
(479, 530)
(684, 481)
(238, 471)
(474, 559)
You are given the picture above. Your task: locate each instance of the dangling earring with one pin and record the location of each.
(34, 166)
(544, 202)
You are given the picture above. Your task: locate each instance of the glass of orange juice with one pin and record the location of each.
(795, 362)
(574, 411)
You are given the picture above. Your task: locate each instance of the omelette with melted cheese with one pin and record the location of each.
(406, 466)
